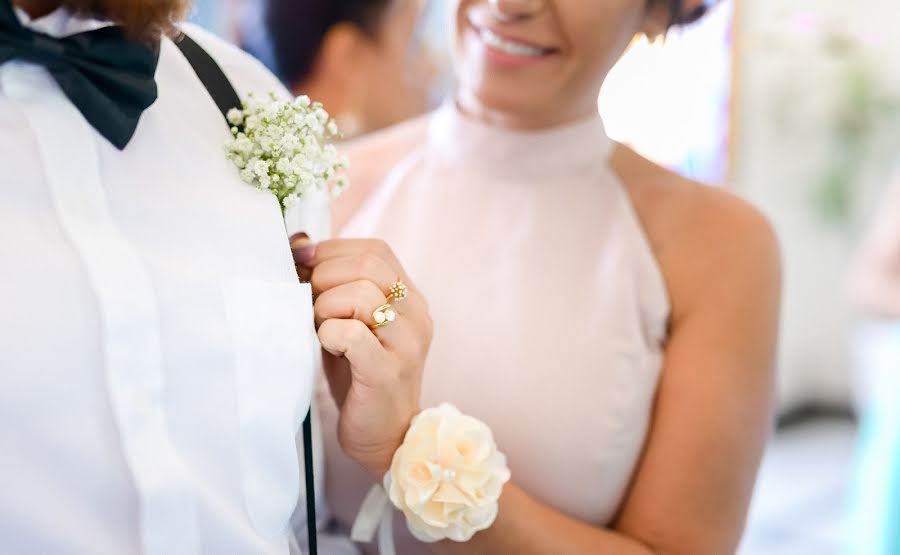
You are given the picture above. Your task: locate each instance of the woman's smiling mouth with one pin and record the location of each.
(510, 46)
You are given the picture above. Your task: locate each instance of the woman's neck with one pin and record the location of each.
(535, 120)
(38, 8)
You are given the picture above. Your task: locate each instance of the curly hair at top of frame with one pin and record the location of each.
(141, 19)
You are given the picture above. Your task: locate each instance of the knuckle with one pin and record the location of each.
(326, 332)
(322, 301)
(368, 264)
(385, 249)
(317, 279)
(367, 289)
(379, 248)
(359, 289)
(318, 308)
(356, 332)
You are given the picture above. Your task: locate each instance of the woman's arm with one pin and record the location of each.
(712, 414)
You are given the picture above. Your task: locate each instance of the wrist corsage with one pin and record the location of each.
(446, 477)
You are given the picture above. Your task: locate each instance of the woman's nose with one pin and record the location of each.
(515, 9)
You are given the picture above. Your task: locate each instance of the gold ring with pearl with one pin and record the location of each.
(383, 315)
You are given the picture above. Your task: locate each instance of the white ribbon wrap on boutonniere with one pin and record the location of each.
(446, 478)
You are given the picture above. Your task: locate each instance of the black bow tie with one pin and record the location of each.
(109, 78)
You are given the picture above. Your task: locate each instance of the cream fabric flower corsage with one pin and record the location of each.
(447, 476)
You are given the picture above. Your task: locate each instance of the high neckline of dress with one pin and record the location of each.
(460, 140)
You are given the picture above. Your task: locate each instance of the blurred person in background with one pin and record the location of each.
(363, 59)
(614, 323)
(875, 287)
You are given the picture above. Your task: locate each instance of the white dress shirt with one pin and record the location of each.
(157, 352)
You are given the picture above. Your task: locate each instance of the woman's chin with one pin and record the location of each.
(506, 107)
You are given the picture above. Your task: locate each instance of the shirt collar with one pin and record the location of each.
(60, 23)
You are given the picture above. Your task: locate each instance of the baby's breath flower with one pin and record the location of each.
(247, 176)
(235, 116)
(291, 200)
(284, 147)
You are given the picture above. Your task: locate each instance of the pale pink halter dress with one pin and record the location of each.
(550, 309)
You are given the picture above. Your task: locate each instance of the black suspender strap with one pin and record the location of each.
(211, 75)
(223, 93)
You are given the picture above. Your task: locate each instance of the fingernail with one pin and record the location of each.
(303, 249)
(304, 255)
(299, 240)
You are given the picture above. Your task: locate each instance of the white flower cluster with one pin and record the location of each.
(284, 147)
(447, 476)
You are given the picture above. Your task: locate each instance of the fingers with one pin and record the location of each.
(350, 280)
(409, 333)
(337, 271)
(351, 301)
(303, 250)
(355, 341)
(338, 248)
(365, 249)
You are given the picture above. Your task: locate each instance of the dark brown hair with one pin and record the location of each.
(141, 19)
(679, 16)
(295, 29)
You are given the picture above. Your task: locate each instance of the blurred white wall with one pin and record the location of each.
(785, 93)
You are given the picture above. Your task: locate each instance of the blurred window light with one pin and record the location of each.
(671, 99)
(218, 16)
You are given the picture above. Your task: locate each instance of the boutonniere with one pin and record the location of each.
(285, 147)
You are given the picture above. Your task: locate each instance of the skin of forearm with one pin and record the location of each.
(526, 527)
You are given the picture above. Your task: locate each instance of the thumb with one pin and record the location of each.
(303, 249)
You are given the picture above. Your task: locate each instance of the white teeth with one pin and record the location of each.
(514, 48)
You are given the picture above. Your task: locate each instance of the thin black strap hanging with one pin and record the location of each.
(226, 98)
(211, 75)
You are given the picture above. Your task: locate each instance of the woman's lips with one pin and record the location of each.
(510, 46)
(509, 52)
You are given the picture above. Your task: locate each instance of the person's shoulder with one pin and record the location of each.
(372, 158)
(701, 235)
(389, 143)
(246, 73)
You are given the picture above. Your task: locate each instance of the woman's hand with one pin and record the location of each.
(375, 375)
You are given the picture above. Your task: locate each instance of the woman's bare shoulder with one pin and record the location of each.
(372, 158)
(698, 233)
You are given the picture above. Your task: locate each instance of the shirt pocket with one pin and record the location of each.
(274, 342)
